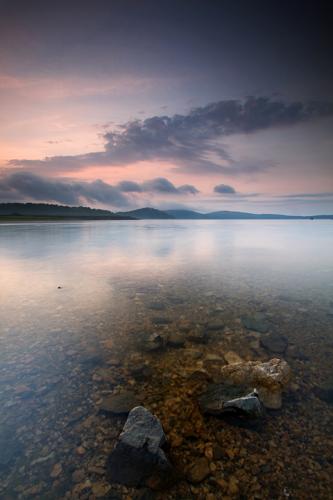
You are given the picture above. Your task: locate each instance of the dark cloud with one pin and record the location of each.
(188, 189)
(162, 185)
(190, 141)
(158, 185)
(26, 185)
(224, 189)
(129, 187)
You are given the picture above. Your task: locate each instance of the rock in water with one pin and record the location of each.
(215, 325)
(119, 404)
(198, 470)
(257, 323)
(269, 378)
(274, 342)
(232, 357)
(215, 402)
(324, 391)
(176, 339)
(154, 342)
(138, 458)
(10, 448)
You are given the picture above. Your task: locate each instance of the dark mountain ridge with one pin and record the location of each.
(49, 211)
(40, 210)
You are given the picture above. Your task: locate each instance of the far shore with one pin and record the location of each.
(23, 218)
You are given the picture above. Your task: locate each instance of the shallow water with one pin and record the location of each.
(77, 302)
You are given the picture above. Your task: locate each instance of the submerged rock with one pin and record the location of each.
(269, 378)
(296, 352)
(198, 470)
(232, 357)
(10, 448)
(119, 404)
(274, 342)
(138, 458)
(141, 371)
(215, 325)
(161, 320)
(176, 339)
(257, 322)
(198, 336)
(324, 391)
(157, 306)
(215, 402)
(154, 342)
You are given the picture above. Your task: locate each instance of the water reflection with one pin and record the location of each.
(79, 300)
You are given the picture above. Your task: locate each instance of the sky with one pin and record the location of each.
(204, 105)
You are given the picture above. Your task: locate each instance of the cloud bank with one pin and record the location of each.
(26, 185)
(192, 142)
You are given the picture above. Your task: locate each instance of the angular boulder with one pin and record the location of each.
(269, 378)
(138, 458)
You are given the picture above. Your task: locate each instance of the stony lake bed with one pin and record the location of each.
(76, 357)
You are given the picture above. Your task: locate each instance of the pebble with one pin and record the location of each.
(198, 470)
(56, 471)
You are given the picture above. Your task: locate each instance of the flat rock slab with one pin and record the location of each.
(138, 458)
(257, 322)
(216, 401)
(119, 404)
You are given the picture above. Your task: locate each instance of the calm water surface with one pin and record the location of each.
(77, 304)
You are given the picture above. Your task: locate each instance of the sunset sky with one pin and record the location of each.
(207, 105)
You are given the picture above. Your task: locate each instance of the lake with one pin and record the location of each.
(154, 309)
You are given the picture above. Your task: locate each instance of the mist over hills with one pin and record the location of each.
(45, 210)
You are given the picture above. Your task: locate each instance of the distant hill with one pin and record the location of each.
(40, 210)
(147, 213)
(24, 211)
(186, 214)
(225, 215)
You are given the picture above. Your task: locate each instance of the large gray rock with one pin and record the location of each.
(138, 458)
(270, 379)
(215, 402)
